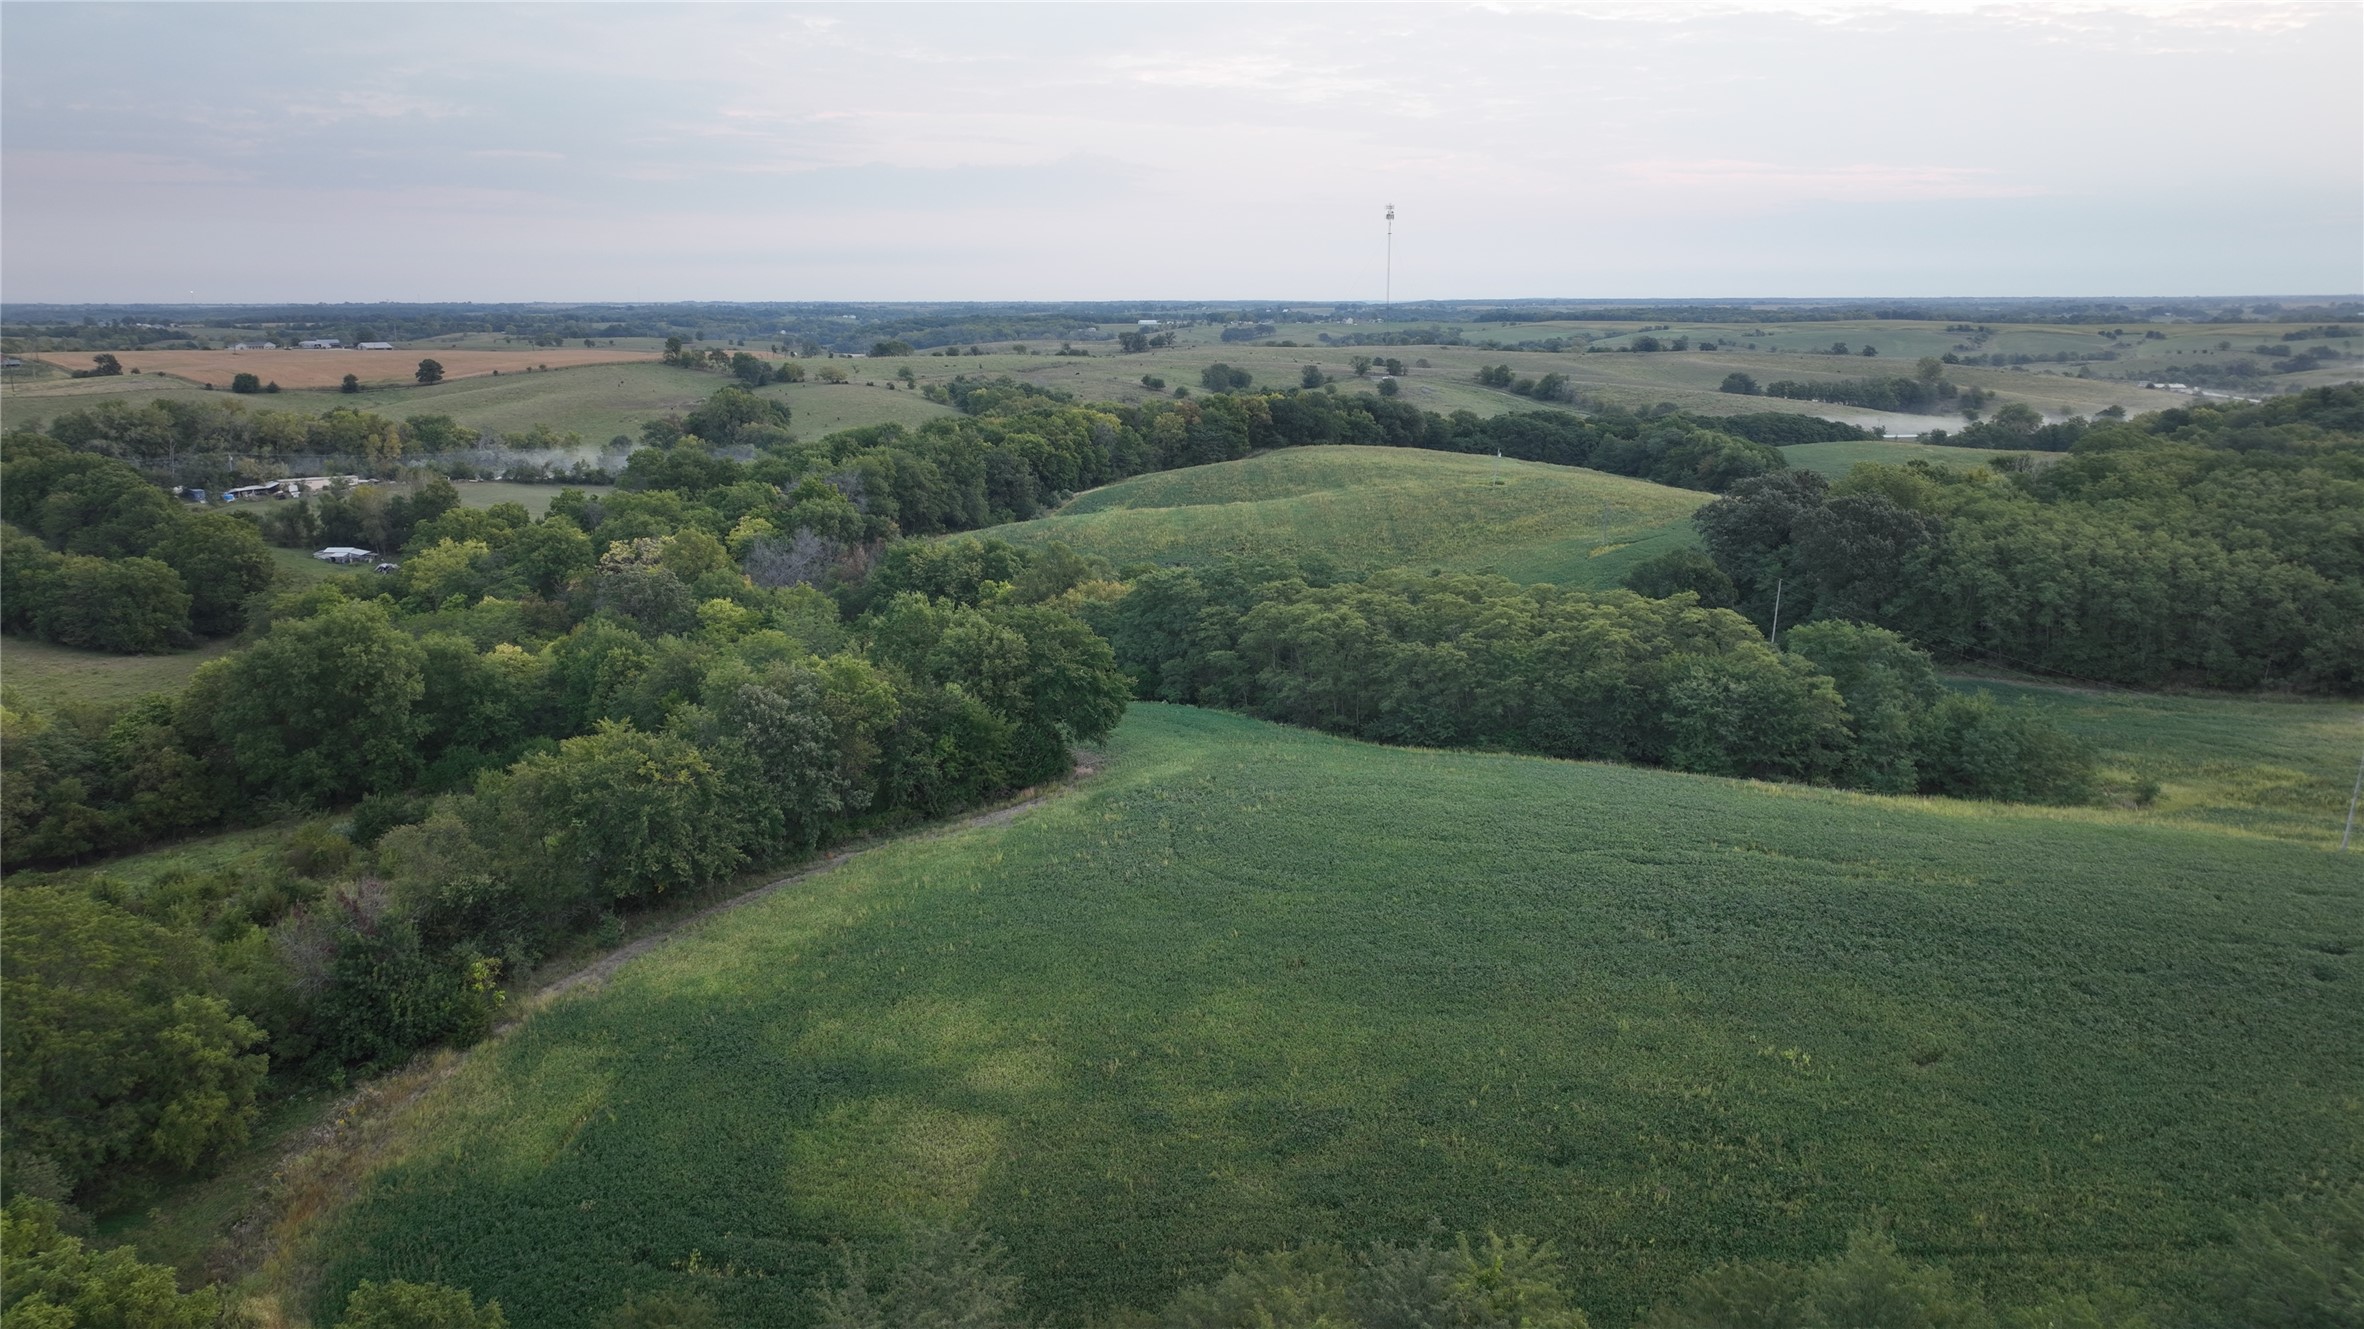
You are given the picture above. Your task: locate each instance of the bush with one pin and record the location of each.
(398, 1305)
(1680, 570)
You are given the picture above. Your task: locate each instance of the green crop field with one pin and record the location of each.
(52, 674)
(1380, 507)
(1253, 985)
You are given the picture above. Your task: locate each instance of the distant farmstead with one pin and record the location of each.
(377, 346)
(321, 343)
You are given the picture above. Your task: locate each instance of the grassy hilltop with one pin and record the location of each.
(1253, 985)
(1380, 507)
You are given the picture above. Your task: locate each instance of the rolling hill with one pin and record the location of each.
(1380, 507)
(1251, 985)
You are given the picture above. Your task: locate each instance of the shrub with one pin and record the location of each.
(398, 1305)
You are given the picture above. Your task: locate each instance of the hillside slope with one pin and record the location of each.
(1253, 985)
(1380, 507)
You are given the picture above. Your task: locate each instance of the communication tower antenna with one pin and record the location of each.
(1387, 301)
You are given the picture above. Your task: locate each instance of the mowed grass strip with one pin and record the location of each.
(2278, 766)
(52, 675)
(1366, 508)
(1253, 985)
(1836, 459)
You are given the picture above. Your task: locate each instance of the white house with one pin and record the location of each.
(321, 344)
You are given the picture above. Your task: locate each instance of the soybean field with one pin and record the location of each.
(1251, 985)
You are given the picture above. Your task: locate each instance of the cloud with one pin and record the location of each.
(1770, 183)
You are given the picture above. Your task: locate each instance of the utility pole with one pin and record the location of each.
(1387, 300)
(2352, 793)
(1775, 640)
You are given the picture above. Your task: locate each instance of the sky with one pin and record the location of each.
(223, 153)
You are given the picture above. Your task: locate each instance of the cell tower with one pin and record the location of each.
(1387, 301)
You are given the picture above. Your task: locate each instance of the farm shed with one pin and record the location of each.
(343, 554)
(376, 346)
(321, 344)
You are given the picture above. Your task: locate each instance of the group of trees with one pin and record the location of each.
(1478, 662)
(749, 369)
(93, 555)
(2215, 546)
(159, 433)
(1553, 387)
(1924, 392)
(539, 722)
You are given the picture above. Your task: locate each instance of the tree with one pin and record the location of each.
(352, 384)
(55, 1282)
(944, 1276)
(222, 560)
(1220, 377)
(395, 1304)
(105, 366)
(750, 369)
(1389, 387)
(131, 606)
(430, 371)
(1680, 570)
(246, 383)
(321, 709)
(548, 554)
(118, 1055)
(880, 350)
(617, 814)
(2017, 417)
(2296, 1267)
(1742, 384)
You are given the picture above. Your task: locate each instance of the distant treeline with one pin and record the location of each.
(1924, 392)
(2221, 546)
(198, 442)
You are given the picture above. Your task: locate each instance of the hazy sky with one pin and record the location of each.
(232, 152)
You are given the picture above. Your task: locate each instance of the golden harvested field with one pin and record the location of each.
(327, 369)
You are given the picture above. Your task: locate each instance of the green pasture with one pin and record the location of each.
(1836, 459)
(534, 498)
(2262, 766)
(53, 675)
(597, 402)
(1366, 508)
(1254, 985)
